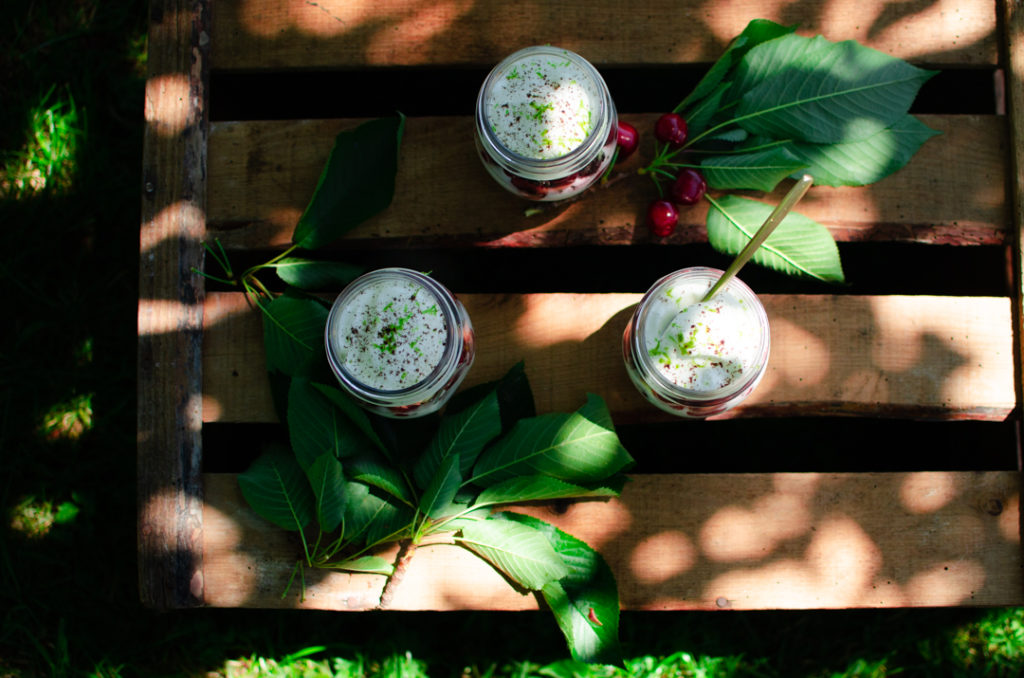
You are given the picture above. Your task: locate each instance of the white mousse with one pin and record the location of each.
(390, 335)
(701, 346)
(542, 106)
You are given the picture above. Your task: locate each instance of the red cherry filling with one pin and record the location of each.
(671, 129)
(593, 167)
(537, 188)
(689, 187)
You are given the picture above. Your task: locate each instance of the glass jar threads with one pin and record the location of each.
(546, 126)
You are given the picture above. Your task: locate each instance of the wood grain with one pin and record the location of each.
(262, 175)
(692, 542)
(1014, 48)
(269, 34)
(703, 541)
(916, 356)
(170, 318)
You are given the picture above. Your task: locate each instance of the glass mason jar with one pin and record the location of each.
(697, 359)
(399, 342)
(546, 126)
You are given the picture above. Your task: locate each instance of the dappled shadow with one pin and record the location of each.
(818, 538)
(694, 541)
(810, 540)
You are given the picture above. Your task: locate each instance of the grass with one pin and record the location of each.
(71, 95)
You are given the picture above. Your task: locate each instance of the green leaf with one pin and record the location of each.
(586, 601)
(464, 434)
(539, 488)
(370, 518)
(280, 384)
(577, 447)
(515, 398)
(867, 160)
(811, 89)
(293, 335)
(368, 468)
(595, 410)
(799, 245)
(328, 483)
(733, 135)
(756, 32)
(698, 118)
(357, 182)
(759, 170)
(316, 426)
(277, 489)
(441, 490)
(392, 523)
(307, 274)
(355, 414)
(367, 565)
(465, 517)
(520, 552)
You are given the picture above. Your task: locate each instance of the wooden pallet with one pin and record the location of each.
(750, 534)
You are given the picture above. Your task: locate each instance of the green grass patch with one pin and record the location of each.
(46, 162)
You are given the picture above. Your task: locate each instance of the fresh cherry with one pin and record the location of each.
(628, 140)
(671, 129)
(662, 218)
(689, 187)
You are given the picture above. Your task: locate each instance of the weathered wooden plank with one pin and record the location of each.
(170, 313)
(262, 174)
(258, 34)
(1014, 48)
(885, 356)
(701, 541)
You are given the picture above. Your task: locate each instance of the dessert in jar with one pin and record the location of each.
(399, 342)
(546, 126)
(696, 358)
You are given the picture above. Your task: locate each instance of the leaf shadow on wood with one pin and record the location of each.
(808, 540)
(864, 556)
(811, 540)
(697, 541)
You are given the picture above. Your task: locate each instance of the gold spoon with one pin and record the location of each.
(773, 220)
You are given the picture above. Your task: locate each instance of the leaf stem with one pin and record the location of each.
(252, 270)
(209, 276)
(288, 586)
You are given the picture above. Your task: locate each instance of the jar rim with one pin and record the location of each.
(579, 154)
(437, 376)
(749, 375)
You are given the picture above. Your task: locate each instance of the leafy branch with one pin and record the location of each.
(351, 484)
(357, 182)
(348, 495)
(777, 105)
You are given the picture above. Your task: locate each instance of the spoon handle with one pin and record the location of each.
(773, 220)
